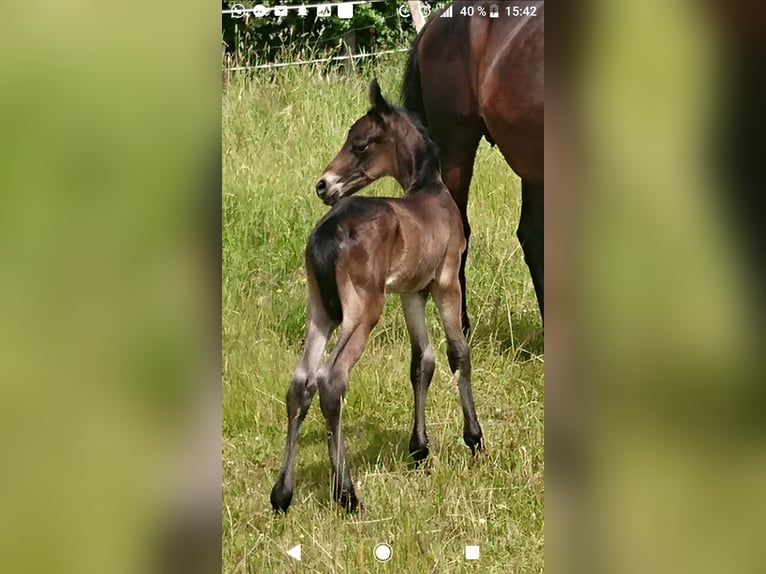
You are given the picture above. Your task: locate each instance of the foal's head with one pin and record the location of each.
(385, 141)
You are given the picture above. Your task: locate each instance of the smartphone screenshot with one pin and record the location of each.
(382, 269)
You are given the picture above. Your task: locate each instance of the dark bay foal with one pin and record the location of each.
(361, 249)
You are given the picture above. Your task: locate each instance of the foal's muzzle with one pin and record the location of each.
(327, 188)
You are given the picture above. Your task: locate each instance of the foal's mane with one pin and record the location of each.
(430, 147)
(426, 155)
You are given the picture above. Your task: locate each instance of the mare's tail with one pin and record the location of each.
(412, 90)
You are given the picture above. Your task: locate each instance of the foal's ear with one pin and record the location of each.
(377, 101)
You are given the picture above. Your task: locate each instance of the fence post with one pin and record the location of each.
(417, 15)
(349, 44)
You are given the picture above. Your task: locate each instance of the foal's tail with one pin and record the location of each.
(321, 256)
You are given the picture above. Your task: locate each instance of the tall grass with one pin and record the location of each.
(280, 129)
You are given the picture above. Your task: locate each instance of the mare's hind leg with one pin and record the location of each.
(531, 234)
(447, 298)
(299, 397)
(421, 368)
(333, 384)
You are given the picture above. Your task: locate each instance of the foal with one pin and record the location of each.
(362, 248)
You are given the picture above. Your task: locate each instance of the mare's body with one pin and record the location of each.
(469, 78)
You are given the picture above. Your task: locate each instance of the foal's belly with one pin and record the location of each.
(426, 239)
(413, 274)
(404, 283)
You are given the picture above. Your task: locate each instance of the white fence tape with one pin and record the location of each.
(317, 61)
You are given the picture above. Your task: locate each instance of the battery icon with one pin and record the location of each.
(494, 11)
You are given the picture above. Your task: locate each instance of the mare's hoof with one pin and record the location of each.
(419, 456)
(281, 498)
(466, 327)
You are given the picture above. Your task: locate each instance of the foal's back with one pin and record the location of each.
(400, 244)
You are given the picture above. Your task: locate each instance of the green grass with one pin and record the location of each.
(280, 129)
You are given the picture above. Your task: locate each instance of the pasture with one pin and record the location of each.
(280, 129)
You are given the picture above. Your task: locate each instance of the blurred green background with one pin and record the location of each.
(110, 127)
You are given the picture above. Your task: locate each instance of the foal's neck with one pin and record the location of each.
(418, 165)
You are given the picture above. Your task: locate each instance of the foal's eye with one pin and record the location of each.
(360, 148)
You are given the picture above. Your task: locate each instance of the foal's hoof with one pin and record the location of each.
(477, 448)
(474, 441)
(281, 498)
(418, 450)
(349, 502)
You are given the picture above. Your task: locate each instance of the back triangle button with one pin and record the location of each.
(295, 552)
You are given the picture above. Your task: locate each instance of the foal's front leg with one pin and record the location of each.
(421, 369)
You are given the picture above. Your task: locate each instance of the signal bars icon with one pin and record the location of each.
(447, 13)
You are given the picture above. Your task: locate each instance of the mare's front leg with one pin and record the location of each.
(458, 140)
(299, 397)
(333, 384)
(447, 298)
(421, 369)
(531, 234)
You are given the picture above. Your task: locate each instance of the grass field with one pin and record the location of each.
(280, 129)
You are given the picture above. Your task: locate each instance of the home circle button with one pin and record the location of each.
(382, 552)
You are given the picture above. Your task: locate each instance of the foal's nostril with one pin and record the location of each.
(321, 186)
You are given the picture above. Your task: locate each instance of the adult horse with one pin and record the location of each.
(474, 77)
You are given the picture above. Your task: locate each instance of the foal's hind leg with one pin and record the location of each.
(531, 235)
(447, 298)
(333, 384)
(421, 368)
(299, 397)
